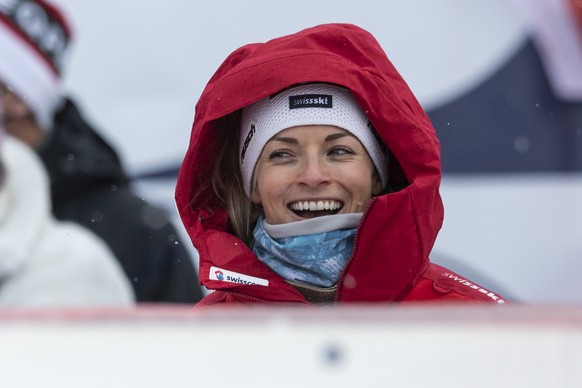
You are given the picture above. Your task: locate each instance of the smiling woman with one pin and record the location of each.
(312, 154)
(312, 176)
(308, 171)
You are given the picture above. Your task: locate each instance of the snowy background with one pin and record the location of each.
(138, 67)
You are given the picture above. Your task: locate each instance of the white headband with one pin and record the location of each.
(312, 104)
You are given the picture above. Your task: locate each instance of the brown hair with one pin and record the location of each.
(226, 179)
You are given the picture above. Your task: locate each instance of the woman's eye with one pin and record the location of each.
(279, 154)
(339, 151)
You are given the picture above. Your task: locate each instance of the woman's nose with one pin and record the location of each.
(313, 173)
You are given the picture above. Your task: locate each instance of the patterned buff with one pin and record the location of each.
(316, 259)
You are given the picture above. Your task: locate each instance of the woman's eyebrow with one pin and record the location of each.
(339, 135)
(283, 139)
(292, 140)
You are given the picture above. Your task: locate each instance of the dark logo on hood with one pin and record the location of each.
(247, 141)
(310, 101)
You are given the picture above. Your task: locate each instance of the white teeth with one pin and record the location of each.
(316, 206)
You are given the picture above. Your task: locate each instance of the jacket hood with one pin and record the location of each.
(398, 229)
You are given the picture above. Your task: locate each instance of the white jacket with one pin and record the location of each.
(45, 262)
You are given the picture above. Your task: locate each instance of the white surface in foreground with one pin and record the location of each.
(412, 347)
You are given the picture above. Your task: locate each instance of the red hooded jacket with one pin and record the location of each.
(390, 260)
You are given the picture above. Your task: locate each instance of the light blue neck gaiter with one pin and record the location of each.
(317, 256)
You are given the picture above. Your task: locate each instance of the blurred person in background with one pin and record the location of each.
(45, 262)
(88, 183)
(312, 177)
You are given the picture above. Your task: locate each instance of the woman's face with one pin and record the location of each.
(310, 171)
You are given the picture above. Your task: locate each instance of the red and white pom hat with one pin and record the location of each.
(309, 104)
(34, 37)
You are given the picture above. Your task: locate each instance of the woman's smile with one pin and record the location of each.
(311, 209)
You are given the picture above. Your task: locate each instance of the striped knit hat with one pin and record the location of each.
(34, 37)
